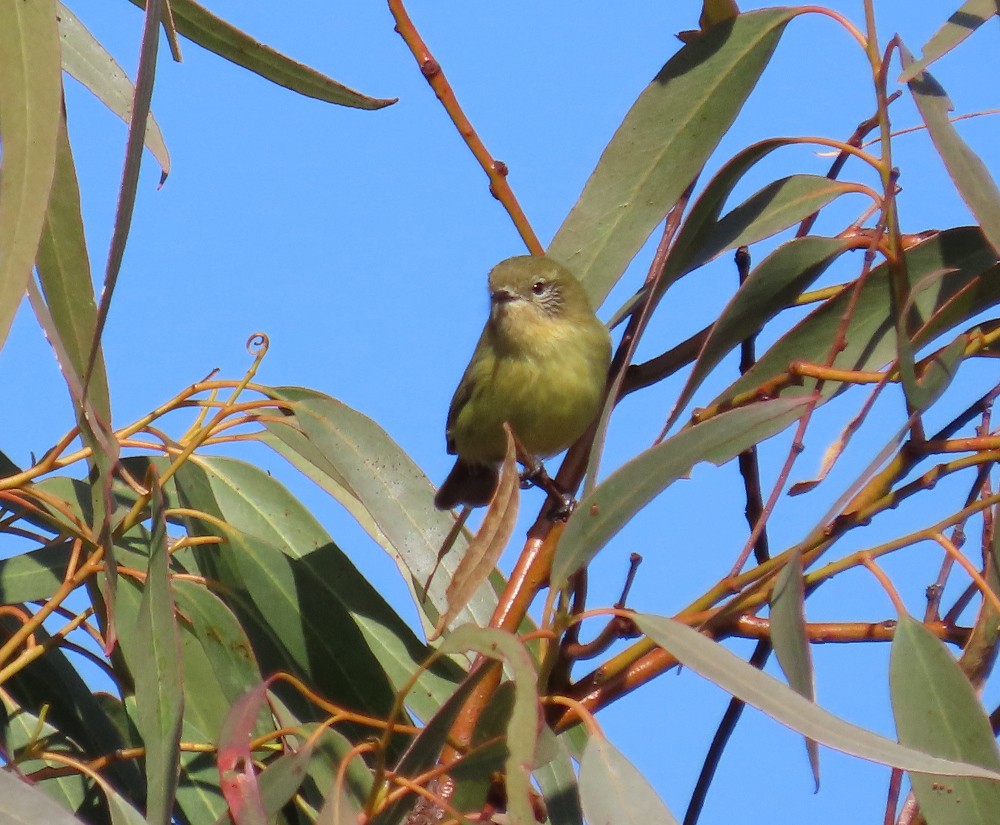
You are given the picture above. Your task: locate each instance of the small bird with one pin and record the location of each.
(541, 365)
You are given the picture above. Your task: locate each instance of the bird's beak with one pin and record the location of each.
(502, 296)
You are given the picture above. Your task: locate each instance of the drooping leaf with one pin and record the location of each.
(196, 23)
(486, 548)
(937, 711)
(786, 706)
(382, 487)
(153, 652)
(612, 790)
(965, 20)
(662, 145)
(291, 584)
(938, 304)
(603, 512)
(791, 645)
(64, 274)
(970, 175)
(141, 98)
(282, 777)
(86, 59)
(30, 100)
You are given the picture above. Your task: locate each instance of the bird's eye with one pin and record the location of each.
(538, 287)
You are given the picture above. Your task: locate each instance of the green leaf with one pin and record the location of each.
(34, 575)
(424, 750)
(558, 784)
(969, 17)
(64, 275)
(772, 286)
(291, 584)
(25, 804)
(22, 729)
(791, 645)
(613, 791)
(971, 285)
(603, 512)
(937, 711)
(213, 33)
(52, 683)
(662, 145)
(522, 731)
(713, 662)
(381, 486)
(968, 172)
(283, 777)
(218, 666)
(330, 749)
(30, 101)
(153, 652)
(89, 62)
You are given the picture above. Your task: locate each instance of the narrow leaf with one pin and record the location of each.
(86, 59)
(969, 17)
(712, 661)
(30, 101)
(791, 645)
(154, 660)
(602, 513)
(662, 145)
(64, 275)
(486, 548)
(612, 791)
(213, 33)
(238, 779)
(968, 172)
(522, 732)
(938, 304)
(141, 99)
(772, 286)
(937, 711)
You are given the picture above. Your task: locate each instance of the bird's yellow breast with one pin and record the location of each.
(548, 387)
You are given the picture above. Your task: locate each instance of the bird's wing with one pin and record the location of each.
(462, 394)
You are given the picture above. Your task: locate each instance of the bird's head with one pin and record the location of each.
(532, 289)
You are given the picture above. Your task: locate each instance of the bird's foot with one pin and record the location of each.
(534, 475)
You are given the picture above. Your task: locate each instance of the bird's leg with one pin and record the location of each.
(535, 475)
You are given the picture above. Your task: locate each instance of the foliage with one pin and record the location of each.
(183, 641)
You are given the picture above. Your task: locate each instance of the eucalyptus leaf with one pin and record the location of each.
(937, 711)
(662, 144)
(199, 25)
(712, 661)
(603, 512)
(31, 100)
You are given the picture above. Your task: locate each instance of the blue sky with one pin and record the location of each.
(360, 242)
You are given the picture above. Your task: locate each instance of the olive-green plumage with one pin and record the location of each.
(541, 364)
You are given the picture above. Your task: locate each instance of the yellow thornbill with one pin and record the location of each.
(541, 364)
